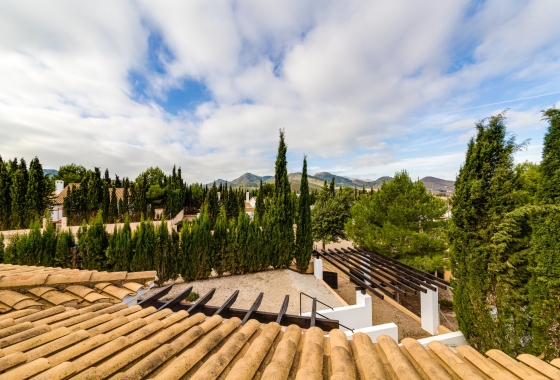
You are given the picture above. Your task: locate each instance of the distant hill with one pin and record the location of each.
(249, 180)
(51, 172)
(437, 185)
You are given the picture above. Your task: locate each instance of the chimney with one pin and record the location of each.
(59, 186)
(247, 196)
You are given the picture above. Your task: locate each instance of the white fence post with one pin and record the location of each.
(429, 311)
(318, 268)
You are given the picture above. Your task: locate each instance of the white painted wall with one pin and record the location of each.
(429, 311)
(450, 339)
(354, 316)
(318, 268)
(374, 332)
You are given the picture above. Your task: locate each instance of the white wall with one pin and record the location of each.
(354, 316)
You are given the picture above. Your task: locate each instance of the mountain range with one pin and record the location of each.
(249, 180)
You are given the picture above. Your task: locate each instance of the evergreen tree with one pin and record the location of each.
(220, 238)
(483, 195)
(106, 203)
(31, 247)
(94, 245)
(201, 246)
(282, 211)
(1, 247)
(187, 263)
(63, 254)
(304, 234)
(162, 252)
(18, 191)
(113, 206)
(49, 246)
(549, 189)
(37, 195)
(5, 197)
(332, 190)
(259, 205)
(143, 258)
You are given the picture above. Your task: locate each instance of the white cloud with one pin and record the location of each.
(350, 82)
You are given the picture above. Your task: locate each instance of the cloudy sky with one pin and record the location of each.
(364, 88)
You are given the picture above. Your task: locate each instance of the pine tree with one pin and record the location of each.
(49, 246)
(304, 234)
(483, 195)
(282, 211)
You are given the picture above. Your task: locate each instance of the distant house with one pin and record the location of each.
(61, 192)
(250, 205)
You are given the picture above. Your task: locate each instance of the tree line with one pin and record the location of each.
(223, 238)
(24, 193)
(505, 244)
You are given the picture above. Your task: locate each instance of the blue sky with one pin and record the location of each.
(365, 89)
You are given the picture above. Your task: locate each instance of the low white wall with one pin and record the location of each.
(374, 332)
(318, 268)
(450, 339)
(429, 311)
(354, 316)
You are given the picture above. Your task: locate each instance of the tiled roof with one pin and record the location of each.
(120, 342)
(59, 199)
(30, 287)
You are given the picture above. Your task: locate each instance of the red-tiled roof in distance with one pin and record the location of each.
(119, 342)
(59, 198)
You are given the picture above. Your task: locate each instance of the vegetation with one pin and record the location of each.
(330, 213)
(401, 220)
(304, 233)
(505, 243)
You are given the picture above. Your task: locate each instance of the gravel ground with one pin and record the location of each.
(275, 284)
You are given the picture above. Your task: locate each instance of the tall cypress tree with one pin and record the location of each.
(549, 189)
(113, 206)
(304, 235)
(282, 211)
(162, 252)
(220, 238)
(49, 246)
(483, 195)
(259, 205)
(18, 191)
(5, 198)
(36, 195)
(63, 254)
(94, 245)
(143, 258)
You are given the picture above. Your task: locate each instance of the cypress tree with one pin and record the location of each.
(282, 211)
(106, 203)
(113, 206)
(1, 248)
(304, 235)
(31, 248)
(549, 189)
(201, 246)
(123, 249)
(5, 199)
(63, 254)
(483, 195)
(259, 205)
(243, 253)
(332, 188)
(17, 196)
(162, 252)
(49, 246)
(544, 260)
(220, 238)
(94, 245)
(143, 258)
(36, 195)
(187, 262)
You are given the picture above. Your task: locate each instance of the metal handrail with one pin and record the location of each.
(313, 298)
(316, 300)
